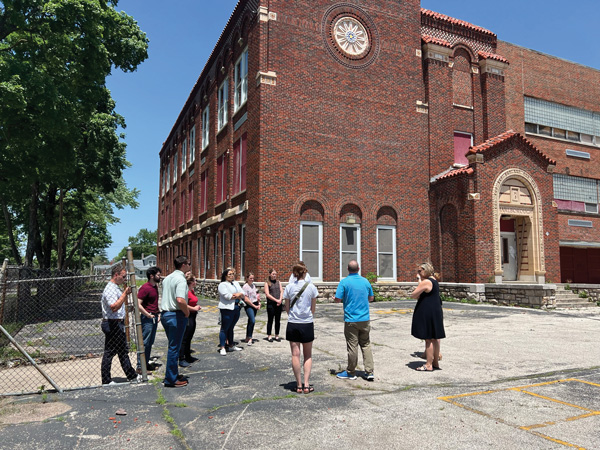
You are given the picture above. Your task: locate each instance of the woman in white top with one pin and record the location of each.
(300, 327)
(230, 294)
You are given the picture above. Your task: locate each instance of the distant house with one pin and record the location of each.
(140, 265)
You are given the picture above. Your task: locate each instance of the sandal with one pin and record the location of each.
(424, 368)
(299, 389)
(308, 389)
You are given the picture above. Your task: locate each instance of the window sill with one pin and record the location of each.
(238, 194)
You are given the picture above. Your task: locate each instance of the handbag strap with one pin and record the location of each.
(297, 296)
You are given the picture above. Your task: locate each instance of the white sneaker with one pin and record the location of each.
(235, 348)
(223, 352)
(249, 342)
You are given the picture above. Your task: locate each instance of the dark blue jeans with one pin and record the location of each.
(229, 318)
(149, 327)
(174, 323)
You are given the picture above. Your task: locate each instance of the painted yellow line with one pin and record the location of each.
(553, 400)
(530, 428)
(557, 441)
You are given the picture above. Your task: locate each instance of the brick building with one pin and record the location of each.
(381, 131)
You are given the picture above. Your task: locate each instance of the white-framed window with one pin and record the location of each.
(205, 127)
(223, 237)
(175, 168)
(241, 80)
(223, 103)
(349, 246)
(311, 247)
(243, 252)
(216, 255)
(183, 155)
(232, 237)
(168, 177)
(192, 144)
(386, 253)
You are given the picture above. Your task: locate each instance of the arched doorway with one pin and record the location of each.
(518, 229)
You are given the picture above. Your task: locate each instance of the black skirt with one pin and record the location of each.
(300, 332)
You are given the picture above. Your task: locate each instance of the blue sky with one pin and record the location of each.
(183, 34)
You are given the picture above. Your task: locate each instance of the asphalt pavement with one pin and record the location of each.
(510, 378)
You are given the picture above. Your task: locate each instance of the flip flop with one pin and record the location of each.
(308, 389)
(423, 368)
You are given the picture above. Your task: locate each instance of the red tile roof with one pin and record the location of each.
(453, 21)
(456, 172)
(433, 40)
(503, 137)
(486, 55)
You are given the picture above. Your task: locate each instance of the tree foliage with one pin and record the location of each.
(143, 243)
(61, 154)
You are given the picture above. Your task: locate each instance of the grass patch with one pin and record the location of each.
(160, 400)
(180, 405)
(447, 298)
(175, 430)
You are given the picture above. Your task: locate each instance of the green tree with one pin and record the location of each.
(59, 139)
(144, 242)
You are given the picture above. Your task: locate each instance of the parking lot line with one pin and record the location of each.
(525, 390)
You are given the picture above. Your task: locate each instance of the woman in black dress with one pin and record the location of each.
(428, 319)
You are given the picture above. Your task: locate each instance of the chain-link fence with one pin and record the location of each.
(51, 335)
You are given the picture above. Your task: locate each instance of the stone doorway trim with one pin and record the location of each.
(534, 213)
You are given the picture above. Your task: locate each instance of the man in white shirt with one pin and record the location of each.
(113, 326)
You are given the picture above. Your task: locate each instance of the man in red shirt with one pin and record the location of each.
(150, 313)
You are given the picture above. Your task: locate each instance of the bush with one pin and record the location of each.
(378, 297)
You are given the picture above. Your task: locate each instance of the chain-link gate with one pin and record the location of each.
(51, 336)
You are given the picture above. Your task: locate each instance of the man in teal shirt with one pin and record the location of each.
(356, 292)
(174, 318)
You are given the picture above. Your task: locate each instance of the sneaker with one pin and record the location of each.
(235, 348)
(112, 383)
(370, 376)
(191, 359)
(184, 363)
(178, 383)
(346, 376)
(223, 352)
(249, 342)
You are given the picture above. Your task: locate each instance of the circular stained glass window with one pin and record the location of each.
(351, 36)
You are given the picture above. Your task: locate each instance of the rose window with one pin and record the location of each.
(351, 36)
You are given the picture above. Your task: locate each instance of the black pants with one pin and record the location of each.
(115, 343)
(186, 345)
(273, 312)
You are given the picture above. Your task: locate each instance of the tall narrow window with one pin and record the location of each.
(216, 255)
(349, 246)
(221, 178)
(241, 80)
(203, 188)
(232, 237)
(223, 248)
(183, 155)
(173, 214)
(168, 176)
(167, 220)
(192, 144)
(190, 202)
(183, 206)
(386, 253)
(206, 263)
(462, 142)
(223, 103)
(205, 127)
(311, 247)
(200, 267)
(239, 165)
(462, 81)
(175, 168)
(243, 251)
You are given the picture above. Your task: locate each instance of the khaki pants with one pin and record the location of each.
(357, 333)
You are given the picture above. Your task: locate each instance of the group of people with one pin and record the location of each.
(179, 308)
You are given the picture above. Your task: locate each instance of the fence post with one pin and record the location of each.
(3, 280)
(124, 265)
(141, 351)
